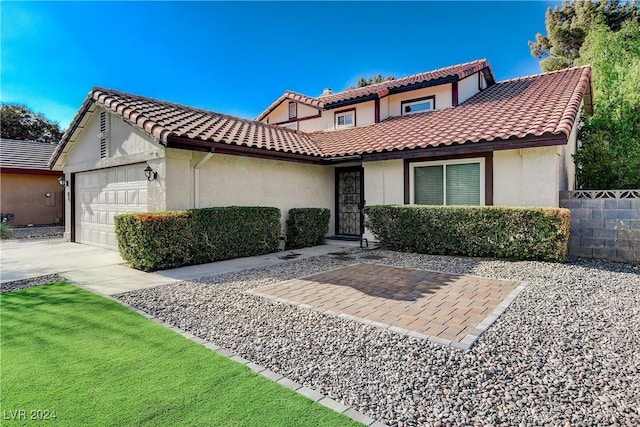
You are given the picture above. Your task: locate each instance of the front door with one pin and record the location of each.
(349, 199)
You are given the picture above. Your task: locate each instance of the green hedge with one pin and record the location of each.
(487, 231)
(307, 227)
(155, 241)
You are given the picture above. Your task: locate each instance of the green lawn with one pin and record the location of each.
(94, 362)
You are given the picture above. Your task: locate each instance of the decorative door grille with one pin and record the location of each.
(349, 198)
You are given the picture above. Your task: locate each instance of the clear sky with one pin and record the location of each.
(237, 57)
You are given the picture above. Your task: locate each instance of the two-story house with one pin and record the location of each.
(452, 136)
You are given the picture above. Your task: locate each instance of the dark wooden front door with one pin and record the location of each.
(349, 199)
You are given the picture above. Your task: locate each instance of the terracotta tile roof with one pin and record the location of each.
(458, 72)
(15, 154)
(166, 121)
(543, 105)
(292, 96)
(534, 106)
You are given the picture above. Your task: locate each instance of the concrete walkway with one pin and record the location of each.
(103, 270)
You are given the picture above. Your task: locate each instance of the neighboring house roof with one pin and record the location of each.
(378, 90)
(31, 155)
(542, 108)
(544, 105)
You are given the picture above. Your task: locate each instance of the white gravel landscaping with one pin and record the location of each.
(566, 352)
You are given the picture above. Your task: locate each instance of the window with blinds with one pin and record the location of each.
(447, 184)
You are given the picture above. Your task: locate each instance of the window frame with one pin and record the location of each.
(444, 163)
(337, 114)
(295, 110)
(431, 98)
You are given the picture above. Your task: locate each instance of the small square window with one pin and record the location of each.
(293, 110)
(418, 105)
(345, 119)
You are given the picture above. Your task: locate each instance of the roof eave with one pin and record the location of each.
(75, 123)
(391, 91)
(469, 147)
(222, 148)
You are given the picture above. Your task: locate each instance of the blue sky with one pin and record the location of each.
(237, 57)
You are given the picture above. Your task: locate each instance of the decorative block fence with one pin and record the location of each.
(604, 223)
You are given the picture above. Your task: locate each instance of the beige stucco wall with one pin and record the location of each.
(281, 112)
(243, 181)
(441, 92)
(365, 115)
(384, 182)
(365, 111)
(25, 196)
(527, 177)
(467, 87)
(126, 144)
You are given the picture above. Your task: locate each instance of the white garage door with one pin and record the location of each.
(104, 193)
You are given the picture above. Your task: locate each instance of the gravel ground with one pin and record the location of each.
(566, 352)
(29, 283)
(37, 232)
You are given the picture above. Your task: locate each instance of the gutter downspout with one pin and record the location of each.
(196, 179)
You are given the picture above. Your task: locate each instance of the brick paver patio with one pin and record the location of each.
(446, 308)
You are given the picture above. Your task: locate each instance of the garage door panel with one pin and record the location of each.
(100, 195)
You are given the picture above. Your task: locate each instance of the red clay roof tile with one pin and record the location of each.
(545, 104)
(534, 106)
(459, 71)
(164, 120)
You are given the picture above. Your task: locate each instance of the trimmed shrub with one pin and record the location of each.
(307, 227)
(234, 232)
(483, 231)
(155, 241)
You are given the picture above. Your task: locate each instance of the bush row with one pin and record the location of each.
(154, 241)
(307, 227)
(487, 231)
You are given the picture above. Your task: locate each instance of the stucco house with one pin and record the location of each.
(29, 191)
(449, 136)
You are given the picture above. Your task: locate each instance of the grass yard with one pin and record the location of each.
(90, 361)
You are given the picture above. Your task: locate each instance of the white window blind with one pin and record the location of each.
(447, 184)
(429, 184)
(463, 184)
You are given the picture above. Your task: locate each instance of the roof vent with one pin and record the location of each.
(327, 91)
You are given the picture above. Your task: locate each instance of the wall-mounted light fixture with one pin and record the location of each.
(62, 181)
(150, 174)
(47, 194)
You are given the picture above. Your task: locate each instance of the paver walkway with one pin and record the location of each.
(447, 308)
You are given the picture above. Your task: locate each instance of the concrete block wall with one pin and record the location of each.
(604, 224)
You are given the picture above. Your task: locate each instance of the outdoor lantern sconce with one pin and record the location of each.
(150, 174)
(62, 181)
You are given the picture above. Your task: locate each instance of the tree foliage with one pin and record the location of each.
(568, 26)
(19, 122)
(368, 81)
(609, 156)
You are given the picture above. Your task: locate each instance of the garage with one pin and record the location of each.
(102, 194)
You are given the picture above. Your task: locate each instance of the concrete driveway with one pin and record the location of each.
(103, 270)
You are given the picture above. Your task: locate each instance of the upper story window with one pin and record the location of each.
(420, 105)
(293, 110)
(345, 119)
